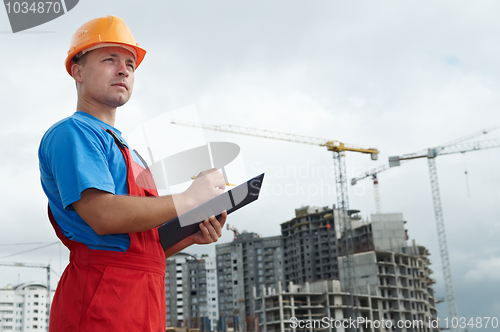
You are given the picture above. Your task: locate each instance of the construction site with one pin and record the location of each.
(327, 262)
(372, 129)
(333, 244)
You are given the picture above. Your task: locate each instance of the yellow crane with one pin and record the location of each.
(338, 149)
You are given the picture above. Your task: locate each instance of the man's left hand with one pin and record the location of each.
(210, 230)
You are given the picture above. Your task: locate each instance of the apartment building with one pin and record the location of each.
(247, 262)
(24, 307)
(191, 291)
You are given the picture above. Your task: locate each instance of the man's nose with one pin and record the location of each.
(123, 70)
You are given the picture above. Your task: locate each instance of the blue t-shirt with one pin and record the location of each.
(75, 154)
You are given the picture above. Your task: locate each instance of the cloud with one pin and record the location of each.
(485, 269)
(399, 76)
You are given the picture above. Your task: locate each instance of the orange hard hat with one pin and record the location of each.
(101, 32)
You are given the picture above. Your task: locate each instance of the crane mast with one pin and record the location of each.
(338, 149)
(345, 228)
(376, 192)
(443, 244)
(431, 155)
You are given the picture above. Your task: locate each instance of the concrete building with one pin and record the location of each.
(191, 291)
(392, 280)
(281, 310)
(247, 262)
(24, 307)
(398, 273)
(402, 281)
(319, 306)
(310, 245)
(385, 232)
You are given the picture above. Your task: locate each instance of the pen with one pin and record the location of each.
(227, 183)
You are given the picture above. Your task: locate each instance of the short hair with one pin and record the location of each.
(80, 60)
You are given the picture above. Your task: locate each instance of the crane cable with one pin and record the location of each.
(22, 252)
(466, 175)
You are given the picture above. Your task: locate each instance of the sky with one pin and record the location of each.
(397, 76)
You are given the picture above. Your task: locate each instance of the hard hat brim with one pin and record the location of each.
(140, 52)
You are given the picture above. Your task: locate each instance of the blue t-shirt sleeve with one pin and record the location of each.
(77, 158)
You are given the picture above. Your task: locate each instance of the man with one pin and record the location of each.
(115, 278)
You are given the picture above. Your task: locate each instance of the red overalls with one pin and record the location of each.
(113, 291)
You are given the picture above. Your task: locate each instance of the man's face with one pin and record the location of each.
(107, 78)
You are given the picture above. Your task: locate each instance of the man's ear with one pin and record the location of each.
(76, 72)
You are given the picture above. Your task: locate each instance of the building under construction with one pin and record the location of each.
(391, 281)
(259, 283)
(310, 245)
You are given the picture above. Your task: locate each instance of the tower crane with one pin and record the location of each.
(431, 154)
(46, 267)
(373, 174)
(338, 149)
(235, 231)
(374, 171)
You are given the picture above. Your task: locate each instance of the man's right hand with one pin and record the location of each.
(207, 185)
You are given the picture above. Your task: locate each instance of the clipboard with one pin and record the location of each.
(187, 224)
